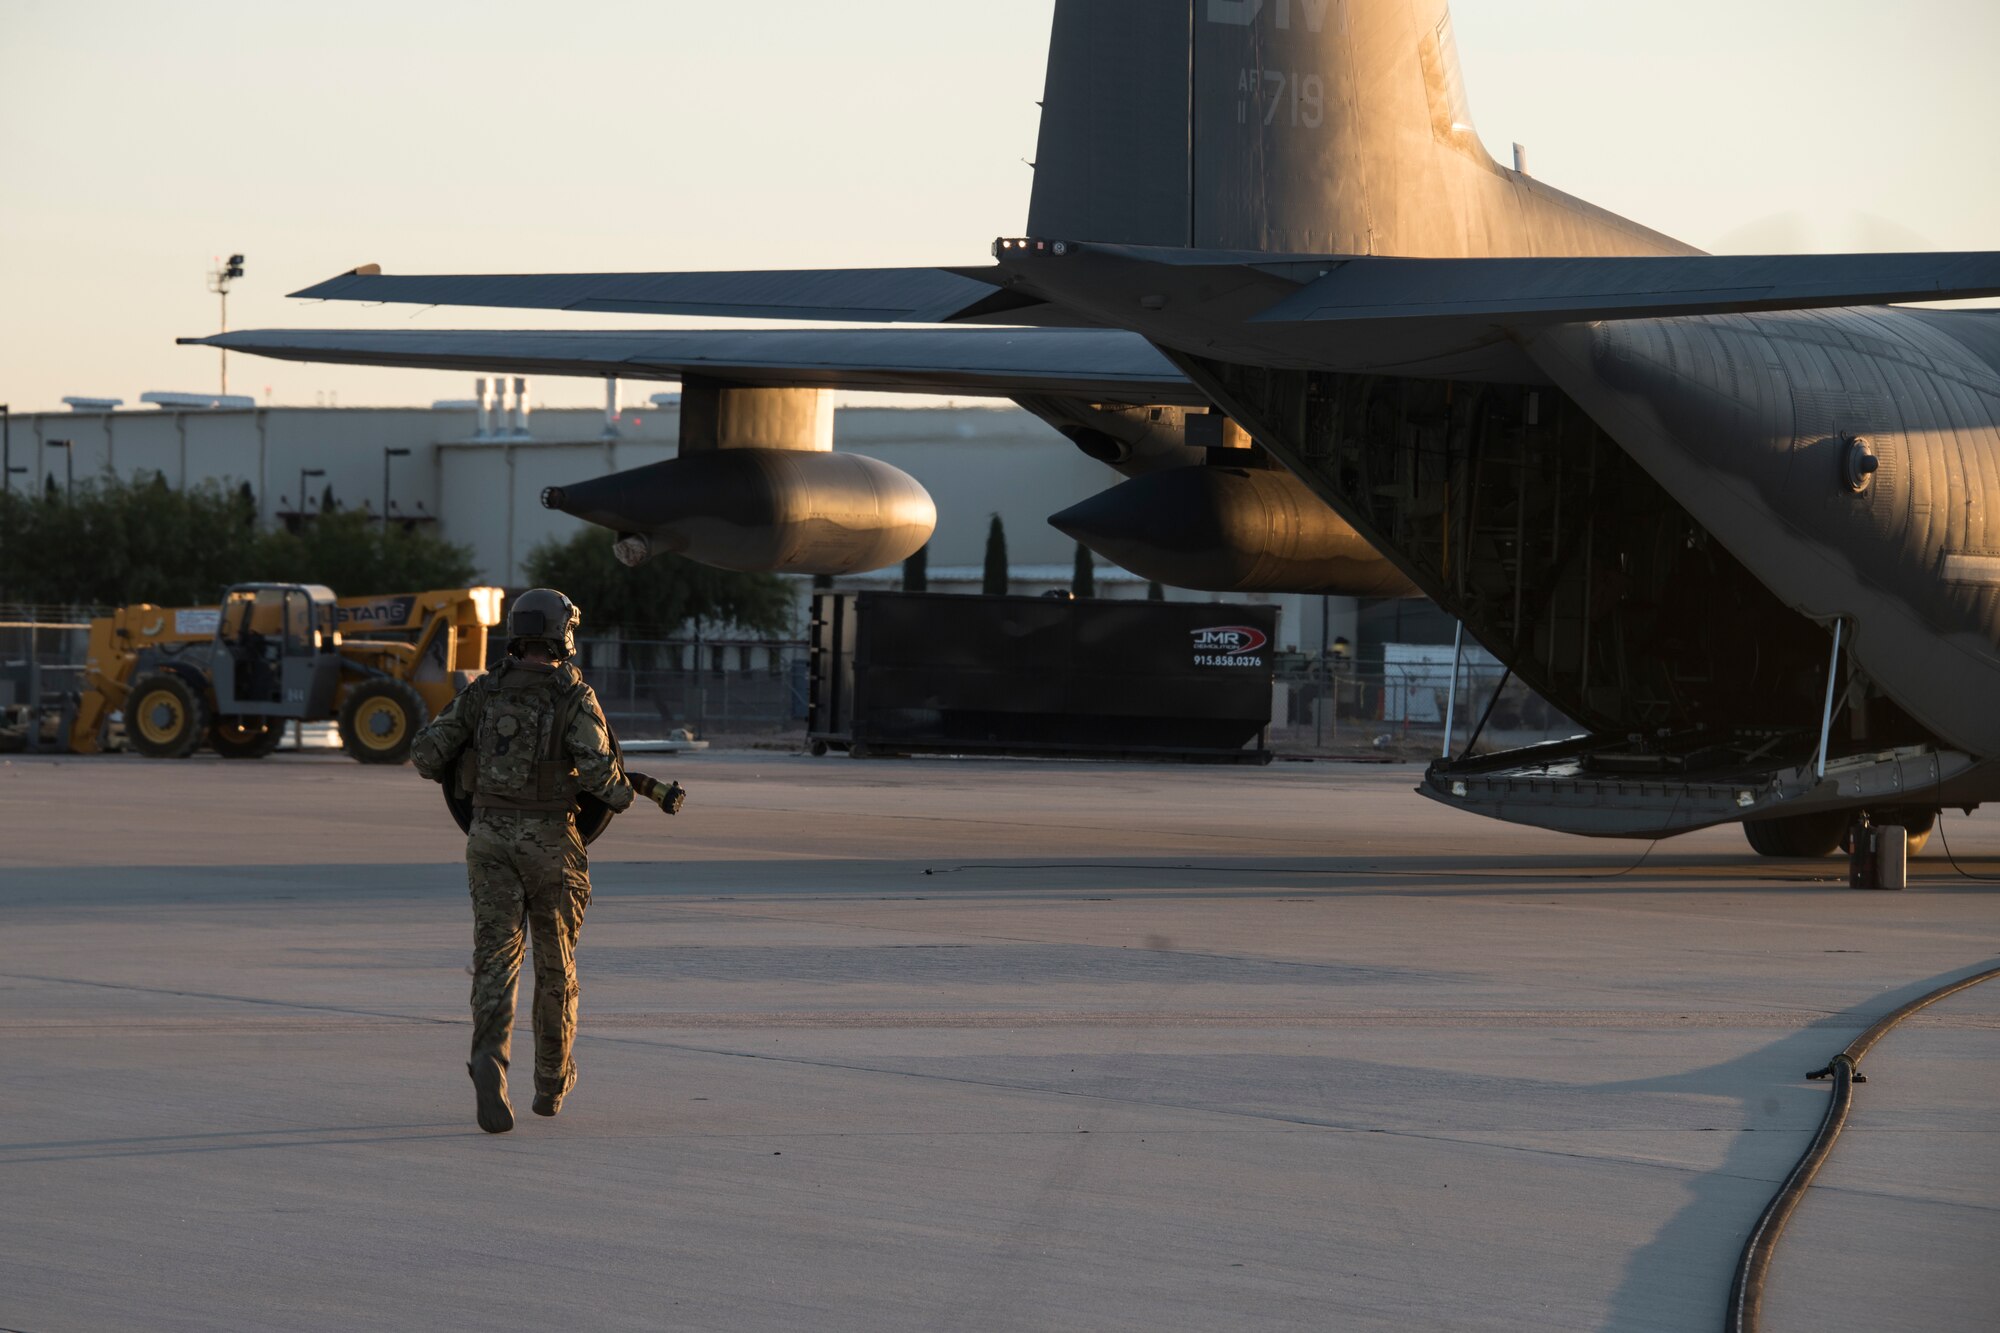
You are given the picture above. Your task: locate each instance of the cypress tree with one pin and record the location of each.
(995, 581)
(1083, 581)
(1155, 593)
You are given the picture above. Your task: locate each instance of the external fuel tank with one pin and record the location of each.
(781, 510)
(1231, 529)
(757, 486)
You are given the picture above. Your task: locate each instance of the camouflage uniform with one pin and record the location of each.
(498, 739)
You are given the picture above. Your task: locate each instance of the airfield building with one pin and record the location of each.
(474, 471)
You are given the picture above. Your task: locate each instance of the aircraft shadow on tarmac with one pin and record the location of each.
(1774, 1102)
(1761, 1100)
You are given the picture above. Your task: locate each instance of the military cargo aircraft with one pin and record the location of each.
(1728, 513)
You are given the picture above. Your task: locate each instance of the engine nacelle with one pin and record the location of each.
(1226, 529)
(785, 511)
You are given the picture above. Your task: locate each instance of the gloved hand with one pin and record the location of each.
(669, 796)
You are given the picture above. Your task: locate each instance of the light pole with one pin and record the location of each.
(218, 282)
(388, 454)
(305, 472)
(16, 470)
(69, 466)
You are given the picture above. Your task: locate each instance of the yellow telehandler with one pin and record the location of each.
(230, 677)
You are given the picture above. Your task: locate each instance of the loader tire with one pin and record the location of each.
(246, 737)
(165, 717)
(1799, 835)
(379, 720)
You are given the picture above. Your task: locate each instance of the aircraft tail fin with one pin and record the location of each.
(1286, 127)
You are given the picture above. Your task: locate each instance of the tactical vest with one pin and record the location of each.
(517, 759)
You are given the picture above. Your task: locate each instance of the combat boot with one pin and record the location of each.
(489, 1080)
(550, 1103)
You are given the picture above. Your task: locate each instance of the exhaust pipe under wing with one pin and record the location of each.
(776, 510)
(1226, 529)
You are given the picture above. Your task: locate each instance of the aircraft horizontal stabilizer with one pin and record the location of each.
(1563, 291)
(1096, 364)
(872, 296)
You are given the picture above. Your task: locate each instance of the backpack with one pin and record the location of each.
(516, 759)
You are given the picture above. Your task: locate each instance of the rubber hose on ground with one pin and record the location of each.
(1746, 1292)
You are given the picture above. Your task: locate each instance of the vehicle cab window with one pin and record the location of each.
(298, 621)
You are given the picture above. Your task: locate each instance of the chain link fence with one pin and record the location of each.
(43, 650)
(758, 688)
(752, 688)
(1402, 712)
(652, 688)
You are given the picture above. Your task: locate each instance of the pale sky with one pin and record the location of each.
(140, 139)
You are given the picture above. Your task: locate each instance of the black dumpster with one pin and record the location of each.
(911, 673)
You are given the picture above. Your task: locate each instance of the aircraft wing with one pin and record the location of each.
(1445, 318)
(1561, 291)
(869, 296)
(1096, 364)
(1345, 288)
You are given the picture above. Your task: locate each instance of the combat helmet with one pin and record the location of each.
(544, 615)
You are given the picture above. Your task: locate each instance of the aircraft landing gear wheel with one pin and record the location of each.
(246, 737)
(379, 720)
(165, 717)
(1818, 834)
(817, 749)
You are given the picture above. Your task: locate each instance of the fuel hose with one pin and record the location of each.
(1746, 1291)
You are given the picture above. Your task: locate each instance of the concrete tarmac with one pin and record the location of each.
(974, 1045)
